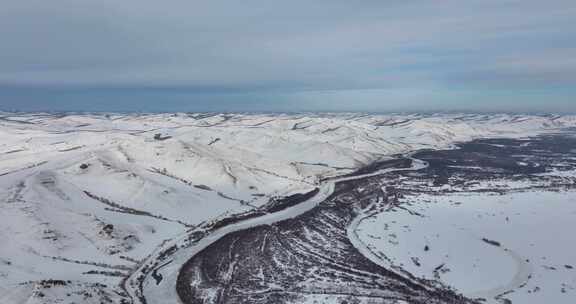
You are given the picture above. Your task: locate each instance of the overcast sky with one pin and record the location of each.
(265, 55)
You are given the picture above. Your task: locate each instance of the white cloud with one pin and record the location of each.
(289, 45)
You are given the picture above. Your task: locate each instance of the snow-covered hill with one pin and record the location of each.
(84, 198)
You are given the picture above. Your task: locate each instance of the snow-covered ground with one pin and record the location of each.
(84, 198)
(451, 238)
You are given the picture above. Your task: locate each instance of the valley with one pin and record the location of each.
(284, 208)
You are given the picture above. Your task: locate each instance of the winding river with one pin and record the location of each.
(144, 288)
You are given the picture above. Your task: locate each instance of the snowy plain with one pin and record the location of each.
(447, 241)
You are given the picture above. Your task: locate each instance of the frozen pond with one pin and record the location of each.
(484, 245)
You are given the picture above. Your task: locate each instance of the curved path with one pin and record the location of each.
(143, 288)
(521, 276)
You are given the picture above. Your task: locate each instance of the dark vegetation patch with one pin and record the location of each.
(312, 255)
